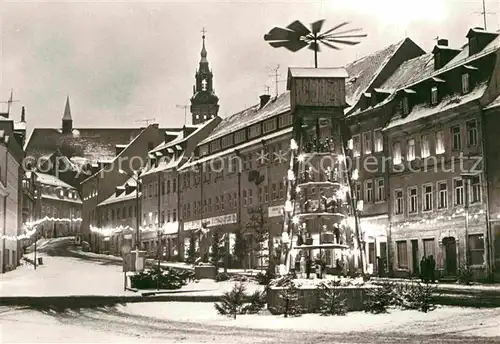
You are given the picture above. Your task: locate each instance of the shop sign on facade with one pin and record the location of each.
(211, 222)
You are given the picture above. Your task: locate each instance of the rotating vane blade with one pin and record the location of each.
(297, 36)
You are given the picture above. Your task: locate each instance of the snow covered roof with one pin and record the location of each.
(175, 143)
(164, 164)
(122, 196)
(424, 110)
(409, 71)
(48, 179)
(19, 125)
(65, 199)
(192, 163)
(495, 103)
(87, 145)
(365, 70)
(249, 116)
(317, 72)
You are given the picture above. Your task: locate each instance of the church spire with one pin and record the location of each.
(67, 111)
(67, 121)
(203, 50)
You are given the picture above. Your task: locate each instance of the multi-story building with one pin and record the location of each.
(427, 127)
(102, 184)
(119, 218)
(58, 200)
(368, 147)
(11, 156)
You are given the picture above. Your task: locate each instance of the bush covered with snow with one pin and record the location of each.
(164, 278)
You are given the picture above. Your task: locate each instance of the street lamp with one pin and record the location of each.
(138, 212)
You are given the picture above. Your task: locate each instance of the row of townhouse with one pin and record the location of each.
(423, 137)
(427, 166)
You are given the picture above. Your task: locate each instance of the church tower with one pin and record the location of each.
(204, 102)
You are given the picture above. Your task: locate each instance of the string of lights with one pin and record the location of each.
(31, 228)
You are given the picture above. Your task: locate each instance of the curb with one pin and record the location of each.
(89, 301)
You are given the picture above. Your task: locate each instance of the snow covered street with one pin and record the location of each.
(198, 323)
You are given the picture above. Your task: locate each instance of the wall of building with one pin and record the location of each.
(103, 184)
(10, 206)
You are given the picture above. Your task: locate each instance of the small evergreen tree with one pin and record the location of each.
(241, 245)
(379, 299)
(231, 303)
(260, 231)
(192, 253)
(332, 299)
(217, 244)
(289, 296)
(234, 302)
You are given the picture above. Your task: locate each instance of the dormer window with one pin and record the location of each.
(472, 45)
(405, 106)
(465, 83)
(434, 95)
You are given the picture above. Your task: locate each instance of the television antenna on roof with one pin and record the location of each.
(10, 101)
(276, 76)
(185, 107)
(484, 13)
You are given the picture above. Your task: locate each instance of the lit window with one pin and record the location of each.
(412, 200)
(410, 155)
(367, 142)
(434, 96)
(465, 83)
(396, 153)
(425, 148)
(472, 133)
(440, 142)
(443, 195)
(379, 141)
(427, 191)
(356, 145)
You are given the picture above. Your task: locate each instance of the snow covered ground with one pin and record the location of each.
(63, 276)
(173, 322)
(444, 320)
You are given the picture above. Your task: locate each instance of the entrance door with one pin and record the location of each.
(450, 249)
(383, 256)
(414, 256)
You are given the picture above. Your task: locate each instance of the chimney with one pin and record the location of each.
(442, 42)
(23, 115)
(156, 125)
(264, 99)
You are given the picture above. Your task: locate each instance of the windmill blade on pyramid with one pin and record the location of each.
(297, 36)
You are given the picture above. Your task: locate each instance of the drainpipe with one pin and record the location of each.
(488, 241)
(202, 175)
